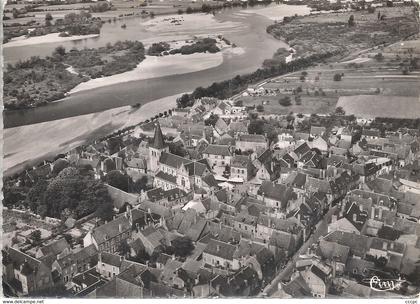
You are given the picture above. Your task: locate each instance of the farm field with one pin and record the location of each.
(392, 78)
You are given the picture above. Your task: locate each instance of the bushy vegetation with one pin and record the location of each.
(200, 46)
(72, 24)
(228, 88)
(156, 49)
(72, 192)
(37, 81)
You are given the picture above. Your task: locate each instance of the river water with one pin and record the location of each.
(35, 134)
(246, 30)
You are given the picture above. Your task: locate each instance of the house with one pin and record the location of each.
(335, 253)
(86, 282)
(317, 131)
(109, 236)
(24, 274)
(77, 261)
(242, 168)
(152, 239)
(276, 195)
(109, 264)
(219, 254)
(53, 249)
(251, 142)
(218, 156)
(221, 127)
(238, 128)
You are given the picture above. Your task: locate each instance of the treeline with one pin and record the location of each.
(200, 46)
(72, 24)
(206, 8)
(226, 89)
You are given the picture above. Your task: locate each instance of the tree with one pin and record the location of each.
(48, 17)
(15, 13)
(189, 10)
(180, 12)
(256, 127)
(211, 121)
(260, 108)
(35, 236)
(340, 111)
(139, 185)
(379, 57)
(184, 101)
(351, 21)
(118, 180)
(183, 246)
(388, 233)
(123, 248)
(239, 103)
(59, 51)
(337, 77)
(226, 172)
(285, 101)
(177, 149)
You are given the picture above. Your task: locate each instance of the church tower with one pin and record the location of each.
(156, 148)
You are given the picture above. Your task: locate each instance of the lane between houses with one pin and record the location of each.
(285, 273)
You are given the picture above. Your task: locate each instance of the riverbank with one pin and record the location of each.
(49, 38)
(153, 67)
(60, 136)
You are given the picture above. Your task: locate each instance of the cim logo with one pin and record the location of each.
(385, 284)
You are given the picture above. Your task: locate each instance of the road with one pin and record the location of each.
(285, 273)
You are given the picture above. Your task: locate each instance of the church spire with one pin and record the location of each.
(158, 142)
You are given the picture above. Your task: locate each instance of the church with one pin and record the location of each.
(172, 171)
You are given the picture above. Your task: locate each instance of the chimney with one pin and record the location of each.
(120, 228)
(372, 215)
(218, 248)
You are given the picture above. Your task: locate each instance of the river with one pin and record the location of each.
(244, 27)
(247, 31)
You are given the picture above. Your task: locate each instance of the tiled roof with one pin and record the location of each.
(166, 177)
(55, 247)
(240, 161)
(196, 168)
(330, 250)
(277, 192)
(173, 160)
(110, 259)
(252, 138)
(218, 150)
(220, 249)
(21, 261)
(111, 229)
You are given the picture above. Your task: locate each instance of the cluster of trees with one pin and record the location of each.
(72, 24)
(156, 49)
(100, 7)
(200, 46)
(36, 81)
(262, 127)
(125, 183)
(69, 192)
(228, 88)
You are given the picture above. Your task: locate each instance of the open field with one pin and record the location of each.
(368, 106)
(362, 76)
(333, 32)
